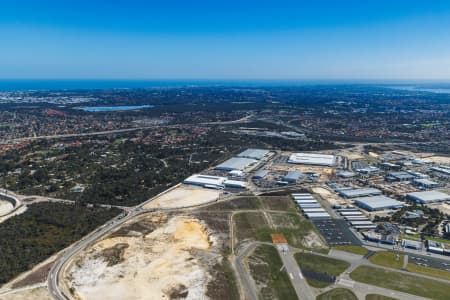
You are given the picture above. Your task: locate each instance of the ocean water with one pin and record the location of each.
(411, 88)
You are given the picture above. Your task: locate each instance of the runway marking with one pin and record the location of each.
(292, 276)
(349, 283)
(300, 274)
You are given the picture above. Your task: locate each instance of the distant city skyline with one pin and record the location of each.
(233, 40)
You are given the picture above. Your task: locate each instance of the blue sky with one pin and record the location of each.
(374, 40)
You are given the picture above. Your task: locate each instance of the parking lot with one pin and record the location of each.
(429, 261)
(336, 232)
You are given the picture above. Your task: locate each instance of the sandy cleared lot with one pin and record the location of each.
(438, 159)
(40, 293)
(326, 195)
(443, 207)
(5, 207)
(322, 192)
(184, 196)
(351, 155)
(170, 262)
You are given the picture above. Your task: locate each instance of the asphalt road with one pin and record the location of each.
(247, 283)
(55, 272)
(53, 276)
(298, 281)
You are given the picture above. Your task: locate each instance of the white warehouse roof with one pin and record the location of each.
(318, 215)
(378, 203)
(206, 180)
(312, 159)
(428, 196)
(235, 163)
(306, 201)
(235, 184)
(320, 209)
(353, 193)
(351, 213)
(253, 153)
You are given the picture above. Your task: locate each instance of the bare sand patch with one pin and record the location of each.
(312, 240)
(326, 195)
(351, 155)
(5, 207)
(40, 293)
(16, 212)
(184, 196)
(322, 192)
(438, 159)
(167, 263)
(373, 154)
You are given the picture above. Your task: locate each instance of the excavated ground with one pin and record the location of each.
(157, 257)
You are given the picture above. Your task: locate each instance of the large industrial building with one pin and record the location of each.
(214, 182)
(207, 181)
(293, 176)
(378, 203)
(425, 183)
(310, 207)
(236, 163)
(399, 176)
(428, 196)
(353, 193)
(260, 174)
(312, 159)
(253, 153)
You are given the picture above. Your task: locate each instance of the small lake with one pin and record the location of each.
(113, 108)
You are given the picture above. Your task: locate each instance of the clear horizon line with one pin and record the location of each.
(442, 80)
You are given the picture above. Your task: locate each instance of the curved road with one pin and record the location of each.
(59, 265)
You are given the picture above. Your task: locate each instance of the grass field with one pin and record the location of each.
(388, 259)
(402, 282)
(378, 297)
(248, 224)
(319, 264)
(437, 240)
(265, 264)
(244, 202)
(283, 203)
(353, 249)
(438, 273)
(294, 229)
(337, 294)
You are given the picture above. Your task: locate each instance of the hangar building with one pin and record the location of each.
(312, 159)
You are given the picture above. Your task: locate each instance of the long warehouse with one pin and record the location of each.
(236, 163)
(312, 159)
(378, 203)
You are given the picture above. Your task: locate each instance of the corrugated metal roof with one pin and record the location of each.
(253, 153)
(235, 163)
(312, 159)
(293, 175)
(261, 173)
(378, 202)
(353, 193)
(429, 196)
